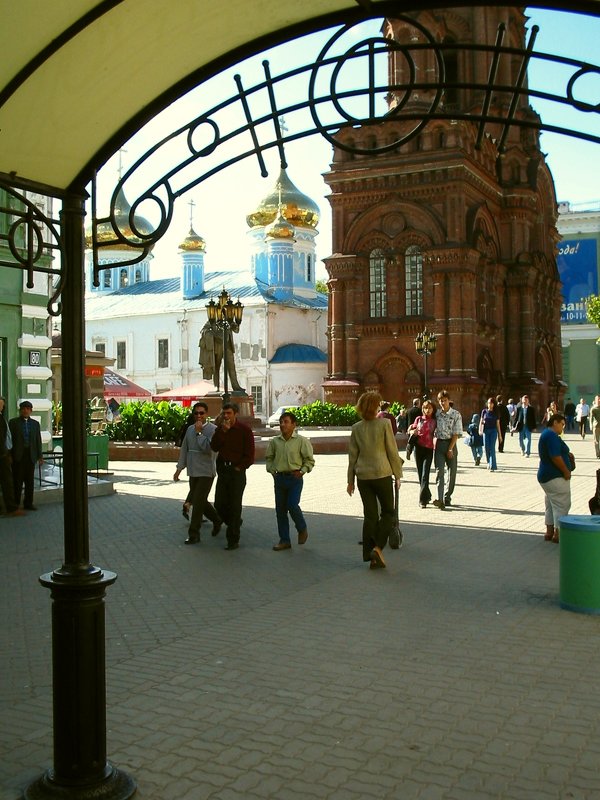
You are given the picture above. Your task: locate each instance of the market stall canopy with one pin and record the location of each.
(186, 394)
(122, 388)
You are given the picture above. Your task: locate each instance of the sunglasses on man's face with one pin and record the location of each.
(199, 413)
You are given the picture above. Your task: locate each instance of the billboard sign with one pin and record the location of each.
(577, 263)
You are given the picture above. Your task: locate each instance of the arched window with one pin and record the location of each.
(377, 284)
(123, 279)
(413, 270)
(107, 279)
(309, 268)
(138, 276)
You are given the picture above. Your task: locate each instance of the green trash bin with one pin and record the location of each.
(580, 563)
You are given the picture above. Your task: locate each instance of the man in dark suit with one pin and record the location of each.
(6, 482)
(525, 424)
(26, 452)
(503, 419)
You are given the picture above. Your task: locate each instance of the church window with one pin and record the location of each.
(377, 284)
(107, 279)
(413, 270)
(123, 279)
(451, 70)
(163, 353)
(100, 347)
(257, 396)
(309, 267)
(121, 355)
(138, 276)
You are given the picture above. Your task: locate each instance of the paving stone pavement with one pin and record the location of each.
(453, 674)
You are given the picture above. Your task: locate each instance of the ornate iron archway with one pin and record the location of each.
(208, 147)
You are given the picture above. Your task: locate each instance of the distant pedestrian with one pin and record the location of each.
(595, 420)
(26, 452)
(198, 458)
(525, 424)
(234, 443)
(570, 415)
(289, 458)
(424, 426)
(372, 461)
(448, 430)
(504, 419)
(550, 412)
(413, 412)
(582, 412)
(6, 480)
(489, 428)
(476, 439)
(512, 410)
(384, 413)
(554, 475)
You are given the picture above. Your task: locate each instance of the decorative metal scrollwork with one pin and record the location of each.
(210, 142)
(35, 243)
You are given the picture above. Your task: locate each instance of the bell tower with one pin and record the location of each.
(454, 230)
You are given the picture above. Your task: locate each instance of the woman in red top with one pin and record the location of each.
(424, 425)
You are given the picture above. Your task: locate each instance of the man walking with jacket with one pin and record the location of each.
(26, 453)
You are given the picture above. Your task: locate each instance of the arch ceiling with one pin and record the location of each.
(79, 77)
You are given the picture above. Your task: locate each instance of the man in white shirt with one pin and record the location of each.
(447, 433)
(582, 412)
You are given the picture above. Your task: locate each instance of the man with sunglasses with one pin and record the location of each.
(198, 458)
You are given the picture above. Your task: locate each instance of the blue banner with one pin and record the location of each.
(577, 263)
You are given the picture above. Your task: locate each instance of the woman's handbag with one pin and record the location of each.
(412, 441)
(395, 537)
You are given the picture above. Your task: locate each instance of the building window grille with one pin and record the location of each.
(413, 270)
(257, 396)
(377, 284)
(163, 353)
(121, 355)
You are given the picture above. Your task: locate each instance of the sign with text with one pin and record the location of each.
(577, 263)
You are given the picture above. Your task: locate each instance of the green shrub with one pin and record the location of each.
(148, 422)
(326, 415)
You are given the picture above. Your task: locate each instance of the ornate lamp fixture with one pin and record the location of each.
(425, 343)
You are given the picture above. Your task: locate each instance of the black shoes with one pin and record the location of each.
(216, 528)
(232, 545)
(447, 501)
(191, 539)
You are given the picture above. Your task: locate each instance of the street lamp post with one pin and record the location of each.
(426, 342)
(223, 316)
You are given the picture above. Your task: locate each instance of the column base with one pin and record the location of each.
(116, 785)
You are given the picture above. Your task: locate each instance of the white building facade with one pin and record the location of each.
(152, 327)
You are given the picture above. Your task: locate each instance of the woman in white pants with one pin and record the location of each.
(554, 474)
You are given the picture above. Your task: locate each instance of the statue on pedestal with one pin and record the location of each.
(211, 354)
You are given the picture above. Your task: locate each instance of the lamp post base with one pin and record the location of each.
(116, 785)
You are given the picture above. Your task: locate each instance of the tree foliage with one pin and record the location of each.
(593, 309)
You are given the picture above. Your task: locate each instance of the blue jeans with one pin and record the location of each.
(489, 440)
(442, 460)
(477, 451)
(525, 434)
(288, 490)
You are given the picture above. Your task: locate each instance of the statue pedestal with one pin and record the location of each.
(245, 402)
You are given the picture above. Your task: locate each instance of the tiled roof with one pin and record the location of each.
(164, 296)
